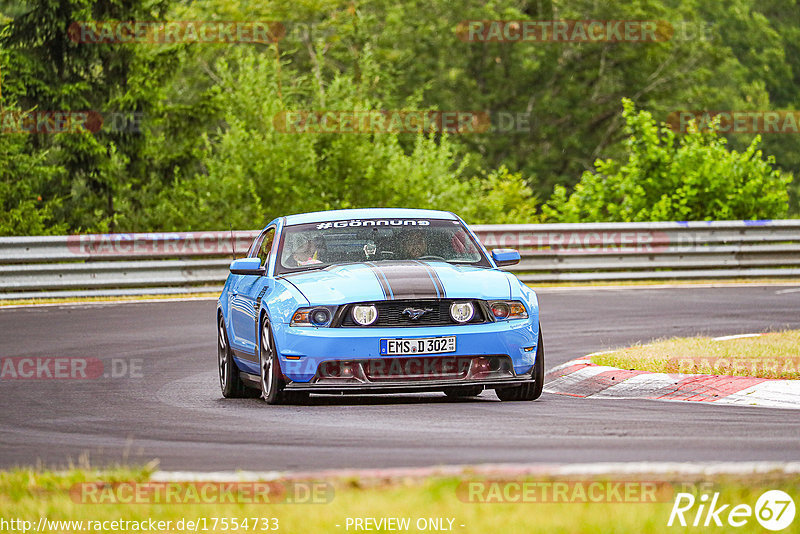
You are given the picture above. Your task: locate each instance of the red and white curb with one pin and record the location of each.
(582, 378)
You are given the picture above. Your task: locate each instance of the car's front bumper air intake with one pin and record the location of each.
(412, 373)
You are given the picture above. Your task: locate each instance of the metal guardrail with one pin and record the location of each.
(651, 251)
(152, 263)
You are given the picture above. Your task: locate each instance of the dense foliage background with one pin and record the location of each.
(206, 153)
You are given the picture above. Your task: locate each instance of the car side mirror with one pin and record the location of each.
(505, 256)
(249, 266)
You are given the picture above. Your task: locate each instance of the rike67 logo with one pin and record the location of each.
(774, 510)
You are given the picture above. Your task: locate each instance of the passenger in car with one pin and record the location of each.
(415, 245)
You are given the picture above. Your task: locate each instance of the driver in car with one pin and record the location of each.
(307, 253)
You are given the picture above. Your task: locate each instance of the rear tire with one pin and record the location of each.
(463, 392)
(229, 380)
(530, 390)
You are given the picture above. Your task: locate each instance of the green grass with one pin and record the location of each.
(774, 355)
(30, 494)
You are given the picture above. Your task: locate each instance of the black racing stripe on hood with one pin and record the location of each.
(436, 280)
(408, 280)
(387, 292)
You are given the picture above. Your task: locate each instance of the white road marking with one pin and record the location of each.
(737, 336)
(792, 290)
(597, 468)
(641, 386)
(771, 393)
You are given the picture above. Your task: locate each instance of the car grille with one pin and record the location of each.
(409, 369)
(390, 313)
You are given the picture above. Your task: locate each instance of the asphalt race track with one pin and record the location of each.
(171, 409)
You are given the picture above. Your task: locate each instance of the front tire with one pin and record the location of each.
(272, 382)
(530, 390)
(229, 380)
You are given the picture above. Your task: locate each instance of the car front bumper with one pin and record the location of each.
(408, 387)
(302, 350)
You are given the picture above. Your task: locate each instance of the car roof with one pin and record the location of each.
(367, 213)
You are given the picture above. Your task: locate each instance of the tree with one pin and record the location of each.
(255, 170)
(665, 178)
(45, 69)
(23, 211)
(562, 96)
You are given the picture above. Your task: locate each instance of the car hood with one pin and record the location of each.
(400, 280)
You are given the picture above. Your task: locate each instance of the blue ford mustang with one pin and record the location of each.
(376, 301)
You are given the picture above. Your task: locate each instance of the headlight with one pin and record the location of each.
(318, 316)
(508, 309)
(365, 315)
(461, 312)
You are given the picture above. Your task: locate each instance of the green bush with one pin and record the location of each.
(666, 178)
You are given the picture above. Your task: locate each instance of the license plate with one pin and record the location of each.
(424, 345)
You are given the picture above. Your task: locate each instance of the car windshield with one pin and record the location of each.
(318, 245)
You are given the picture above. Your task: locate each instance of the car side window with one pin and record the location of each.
(265, 246)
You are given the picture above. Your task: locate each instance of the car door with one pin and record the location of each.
(246, 296)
